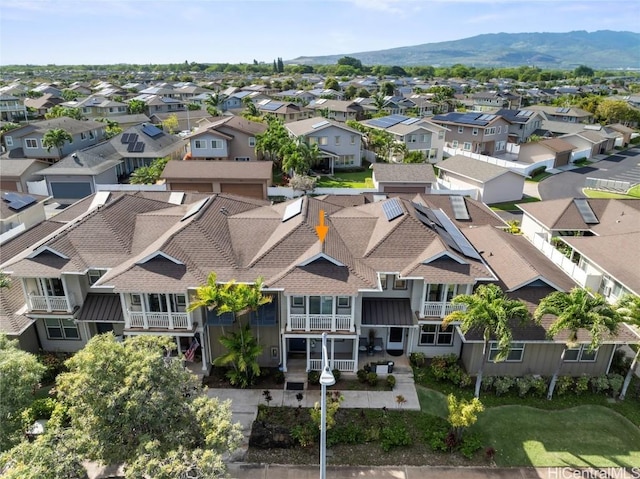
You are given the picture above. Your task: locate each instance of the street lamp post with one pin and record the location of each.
(326, 379)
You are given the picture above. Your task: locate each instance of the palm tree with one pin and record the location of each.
(489, 310)
(628, 308)
(251, 109)
(575, 310)
(56, 138)
(379, 101)
(213, 102)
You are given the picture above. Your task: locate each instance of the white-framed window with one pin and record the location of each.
(490, 131)
(399, 283)
(441, 135)
(200, 144)
(474, 132)
(515, 354)
(383, 281)
(412, 139)
(61, 329)
(252, 141)
(323, 140)
(297, 301)
(92, 134)
(353, 139)
(344, 301)
(501, 145)
(466, 146)
(94, 275)
(136, 299)
(31, 143)
(435, 335)
(313, 140)
(216, 144)
(454, 143)
(461, 129)
(86, 109)
(320, 304)
(83, 135)
(8, 140)
(337, 139)
(242, 158)
(580, 354)
(500, 129)
(424, 138)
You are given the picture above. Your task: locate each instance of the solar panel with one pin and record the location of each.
(194, 209)
(392, 209)
(18, 201)
(151, 130)
(125, 138)
(271, 106)
(138, 147)
(458, 238)
(130, 147)
(426, 216)
(292, 210)
(319, 124)
(133, 137)
(410, 121)
(459, 207)
(586, 212)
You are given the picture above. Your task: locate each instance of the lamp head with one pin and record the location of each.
(327, 378)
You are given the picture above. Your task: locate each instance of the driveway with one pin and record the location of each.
(624, 166)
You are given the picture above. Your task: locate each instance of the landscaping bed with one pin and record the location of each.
(270, 378)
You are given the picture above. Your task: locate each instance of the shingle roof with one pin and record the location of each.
(223, 170)
(12, 320)
(474, 169)
(81, 163)
(404, 173)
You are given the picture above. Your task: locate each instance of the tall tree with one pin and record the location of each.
(212, 103)
(113, 128)
(123, 398)
(136, 107)
(149, 175)
(59, 111)
(238, 299)
(20, 373)
(379, 101)
(273, 141)
(576, 310)
(489, 310)
(628, 308)
(171, 124)
(56, 138)
(332, 84)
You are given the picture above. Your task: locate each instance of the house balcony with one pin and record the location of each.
(342, 365)
(440, 309)
(158, 320)
(50, 303)
(321, 322)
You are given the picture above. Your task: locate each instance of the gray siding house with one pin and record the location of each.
(482, 133)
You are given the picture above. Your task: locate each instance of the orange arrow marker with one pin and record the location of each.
(322, 229)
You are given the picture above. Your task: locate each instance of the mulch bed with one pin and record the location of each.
(217, 379)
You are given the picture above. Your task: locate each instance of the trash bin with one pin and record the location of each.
(390, 364)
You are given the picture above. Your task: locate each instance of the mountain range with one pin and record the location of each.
(603, 49)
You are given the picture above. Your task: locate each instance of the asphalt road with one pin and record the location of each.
(624, 166)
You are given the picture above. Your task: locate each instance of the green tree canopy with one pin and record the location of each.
(332, 84)
(58, 111)
(149, 175)
(56, 138)
(136, 107)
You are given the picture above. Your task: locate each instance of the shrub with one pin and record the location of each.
(600, 384)
(487, 382)
(537, 171)
(458, 376)
(336, 374)
(417, 359)
(524, 384)
(620, 363)
(344, 434)
(313, 377)
(361, 374)
(372, 379)
(305, 434)
(279, 377)
(539, 386)
(391, 382)
(582, 384)
(441, 365)
(39, 409)
(615, 384)
(54, 362)
(563, 385)
(503, 384)
(470, 444)
(394, 436)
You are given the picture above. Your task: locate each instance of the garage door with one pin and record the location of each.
(242, 189)
(200, 187)
(8, 186)
(562, 159)
(71, 190)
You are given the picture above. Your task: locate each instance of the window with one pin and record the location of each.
(313, 140)
(353, 139)
(474, 132)
(51, 287)
(297, 301)
(461, 129)
(61, 329)
(383, 281)
(399, 283)
(323, 140)
(515, 354)
(501, 145)
(580, 354)
(424, 138)
(216, 144)
(92, 135)
(412, 139)
(466, 146)
(435, 335)
(499, 129)
(252, 141)
(178, 303)
(337, 140)
(157, 303)
(490, 131)
(83, 135)
(344, 302)
(441, 135)
(8, 140)
(94, 275)
(320, 304)
(434, 292)
(31, 143)
(200, 144)
(454, 143)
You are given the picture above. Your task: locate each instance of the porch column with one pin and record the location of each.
(444, 300)
(352, 321)
(125, 311)
(308, 349)
(334, 303)
(332, 353)
(307, 320)
(203, 351)
(169, 312)
(355, 354)
(288, 301)
(424, 298)
(283, 353)
(67, 296)
(143, 306)
(26, 294)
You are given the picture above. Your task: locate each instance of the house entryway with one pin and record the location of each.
(395, 341)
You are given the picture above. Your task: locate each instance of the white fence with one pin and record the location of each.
(444, 187)
(122, 187)
(38, 188)
(291, 193)
(559, 259)
(607, 185)
(524, 169)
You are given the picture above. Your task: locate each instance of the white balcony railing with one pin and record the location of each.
(320, 322)
(49, 303)
(148, 320)
(344, 365)
(439, 309)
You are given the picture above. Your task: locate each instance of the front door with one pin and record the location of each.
(395, 340)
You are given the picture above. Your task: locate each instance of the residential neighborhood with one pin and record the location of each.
(172, 239)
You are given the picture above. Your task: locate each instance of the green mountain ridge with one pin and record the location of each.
(603, 49)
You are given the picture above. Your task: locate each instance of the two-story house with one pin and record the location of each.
(415, 133)
(12, 109)
(226, 138)
(522, 123)
(26, 141)
(160, 104)
(96, 106)
(566, 114)
(491, 101)
(475, 132)
(38, 107)
(340, 146)
(284, 111)
(337, 110)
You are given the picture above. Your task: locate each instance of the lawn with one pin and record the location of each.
(357, 179)
(633, 193)
(511, 205)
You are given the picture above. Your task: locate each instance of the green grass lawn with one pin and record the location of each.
(583, 436)
(633, 193)
(511, 205)
(358, 179)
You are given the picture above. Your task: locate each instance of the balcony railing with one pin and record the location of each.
(49, 303)
(320, 322)
(439, 309)
(148, 320)
(344, 365)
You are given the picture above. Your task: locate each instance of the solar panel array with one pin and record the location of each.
(292, 210)
(17, 201)
(392, 209)
(476, 119)
(525, 113)
(426, 216)
(271, 105)
(460, 243)
(319, 124)
(410, 121)
(563, 110)
(586, 212)
(151, 130)
(194, 209)
(387, 121)
(459, 207)
(137, 147)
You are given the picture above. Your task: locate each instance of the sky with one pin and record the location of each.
(69, 32)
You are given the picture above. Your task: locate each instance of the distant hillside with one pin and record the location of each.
(603, 49)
